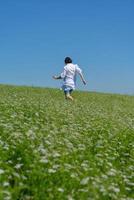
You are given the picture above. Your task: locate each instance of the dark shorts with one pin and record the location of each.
(67, 90)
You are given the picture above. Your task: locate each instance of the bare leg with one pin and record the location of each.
(69, 97)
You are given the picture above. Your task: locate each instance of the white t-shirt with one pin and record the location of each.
(69, 75)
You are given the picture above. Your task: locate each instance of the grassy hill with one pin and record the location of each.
(54, 149)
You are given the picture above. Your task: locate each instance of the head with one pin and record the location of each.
(68, 60)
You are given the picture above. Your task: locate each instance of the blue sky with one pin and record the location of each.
(36, 36)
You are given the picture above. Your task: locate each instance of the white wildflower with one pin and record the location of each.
(56, 154)
(74, 175)
(70, 197)
(130, 183)
(44, 160)
(48, 142)
(18, 166)
(60, 189)
(114, 189)
(83, 190)
(84, 181)
(51, 171)
(56, 166)
(16, 175)
(112, 172)
(5, 184)
(1, 171)
(104, 176)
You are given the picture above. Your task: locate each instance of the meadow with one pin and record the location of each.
(53, 149)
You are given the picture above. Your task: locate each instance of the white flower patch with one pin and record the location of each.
(83, 190)
(44, 160)
(47, 142)
(7, 195)
(56, 154)
(16, 175)
(112, 172)
(84, 181)
(109, 164)
(68, 166)
(61, 190)
(51, 171)
(6, 147)
(130, 184)
(24, 177)
(85, 165)
(114, 189)
(74, 175)
(5, 184)
(56, 166)
(103, 190)
(104, 176)
(43, 151)
(19, 159)
(7, 198)
(31, 134)
(69, 197)
(127, 189)
(81, 147)
(1, 142)
(131, 168)
(2, 171)
(18, 166)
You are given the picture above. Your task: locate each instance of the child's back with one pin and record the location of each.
(69, 74)
(69, 77)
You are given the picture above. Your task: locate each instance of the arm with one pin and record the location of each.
(57, 77)
(82, 78)
(79, 71)
(63, 74)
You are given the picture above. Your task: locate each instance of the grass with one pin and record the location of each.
(54, 149)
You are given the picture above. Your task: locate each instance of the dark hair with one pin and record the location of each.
(68, 60)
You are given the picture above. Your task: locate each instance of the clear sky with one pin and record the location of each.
(36, 36)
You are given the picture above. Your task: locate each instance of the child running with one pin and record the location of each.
(69, 77)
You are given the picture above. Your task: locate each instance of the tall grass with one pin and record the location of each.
(54, 149)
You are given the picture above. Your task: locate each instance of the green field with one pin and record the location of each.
(51, 148)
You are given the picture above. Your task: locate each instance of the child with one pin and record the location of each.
(69, 77)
